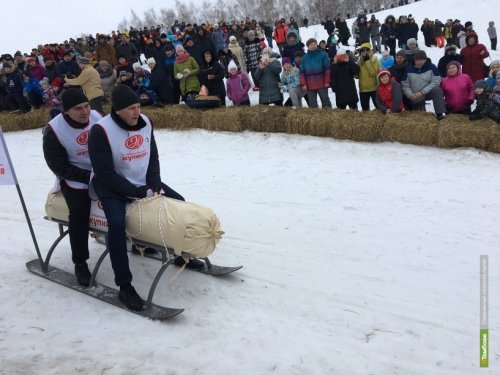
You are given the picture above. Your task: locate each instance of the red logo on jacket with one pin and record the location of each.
(83, 138)
(134, 142)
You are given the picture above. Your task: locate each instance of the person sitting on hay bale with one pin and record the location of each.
(237, 85)
(389, 97)
(186, 71)
(488, 103)
(458, 90)
(422, 83)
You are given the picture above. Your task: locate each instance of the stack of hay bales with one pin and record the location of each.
(459, 131)
(222, 119)
(310, 121)
(358, 126)
(263, 118)
(174, 117)
(24, 121)
(494, 144)
(417, 128)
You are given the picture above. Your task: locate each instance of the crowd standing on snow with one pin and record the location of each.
(164, 65)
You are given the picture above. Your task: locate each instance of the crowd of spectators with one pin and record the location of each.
(165, 65)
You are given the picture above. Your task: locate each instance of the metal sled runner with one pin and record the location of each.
(42, 268)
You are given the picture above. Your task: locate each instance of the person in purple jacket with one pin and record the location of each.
(237, 85)
(458, 89)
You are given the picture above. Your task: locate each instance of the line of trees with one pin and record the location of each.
(260, 10)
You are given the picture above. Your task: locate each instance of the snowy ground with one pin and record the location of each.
(358, 259)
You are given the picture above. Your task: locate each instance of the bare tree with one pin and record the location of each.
(150, 17)
(167, 17)
(135, 20)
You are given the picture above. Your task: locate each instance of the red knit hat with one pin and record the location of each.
(382, 72)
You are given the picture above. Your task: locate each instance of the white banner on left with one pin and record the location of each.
(7, 174)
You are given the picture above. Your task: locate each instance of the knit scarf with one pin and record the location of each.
(182, 58)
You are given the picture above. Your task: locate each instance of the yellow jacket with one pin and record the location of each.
(89, 80)
(368, 71)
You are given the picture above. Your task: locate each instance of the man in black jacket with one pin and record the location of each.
(66, 153)
(124, 158)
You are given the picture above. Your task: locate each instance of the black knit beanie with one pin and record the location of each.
(72, 97)
(123, 96)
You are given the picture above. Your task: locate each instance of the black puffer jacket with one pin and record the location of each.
(342, 82)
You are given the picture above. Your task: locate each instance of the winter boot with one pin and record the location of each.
(82, 274)
(129, 297)
(193, 264)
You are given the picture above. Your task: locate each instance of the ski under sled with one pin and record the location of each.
(104, 293)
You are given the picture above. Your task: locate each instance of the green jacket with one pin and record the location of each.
(191, 82)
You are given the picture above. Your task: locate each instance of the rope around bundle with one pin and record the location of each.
(193, 231)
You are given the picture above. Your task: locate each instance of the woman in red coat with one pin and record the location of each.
(473, 56)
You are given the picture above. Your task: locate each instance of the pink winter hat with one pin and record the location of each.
(179, 48)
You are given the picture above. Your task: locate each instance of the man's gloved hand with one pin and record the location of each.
(141, 191)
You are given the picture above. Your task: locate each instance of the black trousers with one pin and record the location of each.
(114, 209)
(78, 202)
(365, 100)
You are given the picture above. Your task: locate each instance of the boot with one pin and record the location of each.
(193, 264)
(83, 274)
(129, 297)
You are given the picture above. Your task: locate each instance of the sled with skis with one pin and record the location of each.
(157, 250)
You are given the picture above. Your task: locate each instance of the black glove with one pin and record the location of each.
(141, 191)
(156, 189)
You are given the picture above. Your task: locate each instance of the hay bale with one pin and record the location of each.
(34, 119)
(417, 128)
(174, 117)
(263, 118)
(358, 126)
(222, 119)
(310, 121)
(459, 131)
(494, 141)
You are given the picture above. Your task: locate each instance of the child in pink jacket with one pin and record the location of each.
(237, 85)
(458, 89)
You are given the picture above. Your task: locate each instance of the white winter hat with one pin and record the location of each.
(267, 50)
(231, 65)
(231, 38)
(136, 65)
(151, 60)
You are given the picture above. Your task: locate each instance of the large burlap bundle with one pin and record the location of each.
(182, 226)
(56, 208)
(185, 227)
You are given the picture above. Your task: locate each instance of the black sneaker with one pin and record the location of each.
(129, 297)
(440, 116)
(82, 274)
(193, 264)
